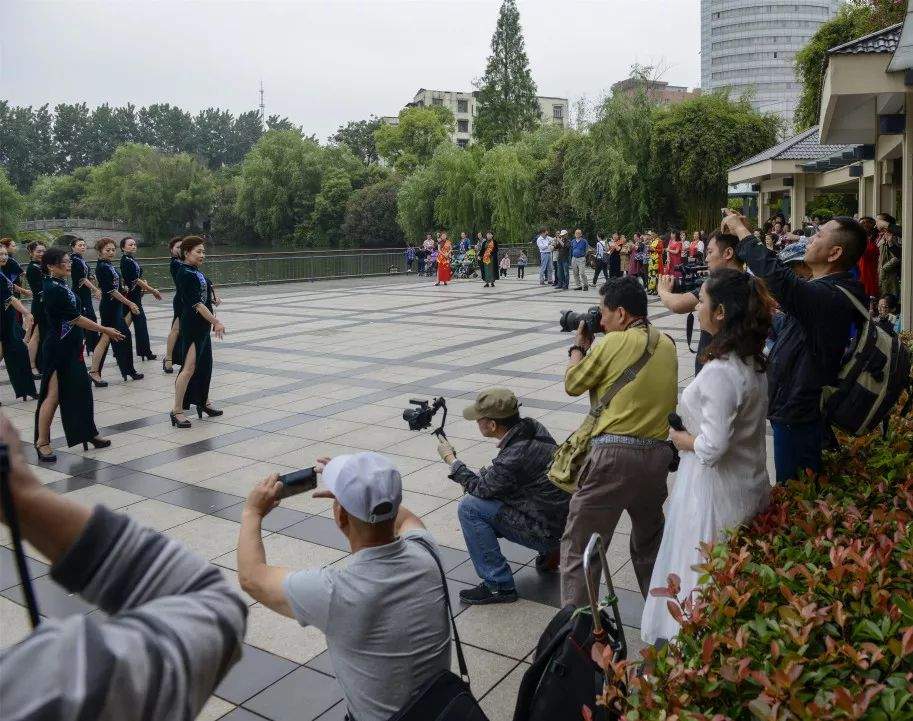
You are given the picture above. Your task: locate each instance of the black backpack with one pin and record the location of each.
(876, 370)
(445, 696)
(563, 677)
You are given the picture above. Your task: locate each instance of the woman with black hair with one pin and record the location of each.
(65, 382)
(14, 351)
(111, 311)
(132, 273)
(722, 479)
(81, 278)
(174, 267)
(34, 278)
(194, 346)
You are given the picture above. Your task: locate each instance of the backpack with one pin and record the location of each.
(563, 677)
(876, 370)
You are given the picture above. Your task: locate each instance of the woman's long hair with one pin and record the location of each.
(747, 307)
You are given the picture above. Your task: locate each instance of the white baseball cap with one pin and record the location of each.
(366, 484)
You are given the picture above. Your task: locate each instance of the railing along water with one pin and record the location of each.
(296, 266)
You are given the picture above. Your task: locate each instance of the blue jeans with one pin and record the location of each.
(564, 274)
(545, 267)
(797, 446)
(481, 531)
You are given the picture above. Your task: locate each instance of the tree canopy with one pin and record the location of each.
(506, 103)
(11, 206)
(358, 136)
(411, 142)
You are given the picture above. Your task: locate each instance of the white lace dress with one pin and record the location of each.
(721, 484)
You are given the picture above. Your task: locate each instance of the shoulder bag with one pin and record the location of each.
(564, 471)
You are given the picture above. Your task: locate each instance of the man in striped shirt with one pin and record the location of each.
(173, 626)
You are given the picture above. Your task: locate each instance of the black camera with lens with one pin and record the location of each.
(420, 418)
(693, 275)
(591, 317)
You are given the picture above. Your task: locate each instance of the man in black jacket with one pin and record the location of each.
(819, 324)
(511, 499)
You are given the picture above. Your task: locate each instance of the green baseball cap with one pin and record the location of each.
(496, 403)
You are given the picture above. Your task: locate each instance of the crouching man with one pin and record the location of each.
(511, 499)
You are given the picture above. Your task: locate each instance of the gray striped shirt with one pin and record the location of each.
(173, 629)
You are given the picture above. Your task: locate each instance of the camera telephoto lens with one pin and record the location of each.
(570, 320)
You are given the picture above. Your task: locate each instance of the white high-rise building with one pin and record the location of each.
(751, 46)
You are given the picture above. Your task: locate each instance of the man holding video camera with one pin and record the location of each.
(633, 371)
(720, 253)
(511, 499)
(171, 628)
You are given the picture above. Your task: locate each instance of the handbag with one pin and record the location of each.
(445, 696)
(564, 470)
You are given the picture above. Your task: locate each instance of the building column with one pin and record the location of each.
(762, 207)
(861, 205)
(906, 213)
(797, 202)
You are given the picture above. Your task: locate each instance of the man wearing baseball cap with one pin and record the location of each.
(383, 613)
(511, 499)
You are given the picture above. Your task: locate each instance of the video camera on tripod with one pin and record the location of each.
(420, 418)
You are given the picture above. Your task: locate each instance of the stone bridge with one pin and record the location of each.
(89, 229)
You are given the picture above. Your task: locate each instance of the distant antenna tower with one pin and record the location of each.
(262, 105)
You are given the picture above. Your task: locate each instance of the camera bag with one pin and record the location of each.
(875, 372)
(564, 470)
(445, 696)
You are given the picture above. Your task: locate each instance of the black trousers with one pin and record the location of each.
(601, 267)
(521, 271)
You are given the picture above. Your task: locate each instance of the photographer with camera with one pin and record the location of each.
(720, 253)
(511, 499)
(383, 613)
(632, 375)
(171, 628)
(816, 330)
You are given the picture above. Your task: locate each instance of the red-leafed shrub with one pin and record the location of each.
(805, 613)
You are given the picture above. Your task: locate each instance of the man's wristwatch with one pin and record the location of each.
(576, 347)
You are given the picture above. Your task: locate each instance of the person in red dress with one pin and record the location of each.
(444, 256)
(868, 263)
(674, 251)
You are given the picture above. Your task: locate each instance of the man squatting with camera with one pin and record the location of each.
(720, 253)
(512, 498)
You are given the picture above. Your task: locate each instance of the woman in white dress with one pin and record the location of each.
(722, 479)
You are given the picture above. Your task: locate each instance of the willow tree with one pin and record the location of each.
(507, 183)
(696, 142)
(459, 206)
(415, 203)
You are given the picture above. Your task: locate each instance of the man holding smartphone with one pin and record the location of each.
(383, 612)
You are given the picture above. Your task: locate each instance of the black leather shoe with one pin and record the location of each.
(482, 595)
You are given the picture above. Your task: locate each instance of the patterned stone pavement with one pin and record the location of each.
(322, 369)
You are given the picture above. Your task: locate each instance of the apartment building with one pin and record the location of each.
(463, 106)
(751, 46)
(659, 90)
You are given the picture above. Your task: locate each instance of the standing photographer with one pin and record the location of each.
(628, 459)
(721, 253)
(171, 627)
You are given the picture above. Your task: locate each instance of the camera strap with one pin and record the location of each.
(12, 520)
(629, 373)
(689, 331)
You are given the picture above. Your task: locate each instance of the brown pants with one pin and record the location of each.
(615, 478)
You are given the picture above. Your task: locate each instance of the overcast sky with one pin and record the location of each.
(324, 62)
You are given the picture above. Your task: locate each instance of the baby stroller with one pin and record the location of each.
(467, 266)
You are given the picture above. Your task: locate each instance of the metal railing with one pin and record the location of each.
(72, 223)
(297, 266)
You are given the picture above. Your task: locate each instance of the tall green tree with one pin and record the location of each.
(854, 19)
(459, 205)
(166, 128)
(26, 143)
(415, 202)
(12, 205)
(506, 103)
(57, 196)
(246, 131)
(212, 139)
(695, 143)
(411, 143)
(72, 136)
(370, 220)
(358, 136)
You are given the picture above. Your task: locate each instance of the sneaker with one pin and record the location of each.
(482, 594)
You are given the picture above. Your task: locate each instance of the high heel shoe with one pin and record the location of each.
(96, 442)
(180, 424)
(36, 376)
(45, 458)
(98, 383)
(134, 375)
(209, 411)
(169, 368)
(151, 356)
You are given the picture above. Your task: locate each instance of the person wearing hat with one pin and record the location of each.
(512, 498)
(383, 613)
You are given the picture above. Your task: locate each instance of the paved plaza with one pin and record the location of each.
(323, 369)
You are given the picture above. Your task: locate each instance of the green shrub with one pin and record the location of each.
(806, 611)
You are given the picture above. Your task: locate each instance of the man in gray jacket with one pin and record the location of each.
(171, 627)
(511, 499)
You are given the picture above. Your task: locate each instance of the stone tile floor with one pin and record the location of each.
(320, 369)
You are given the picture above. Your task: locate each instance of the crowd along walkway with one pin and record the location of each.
(323, 369)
